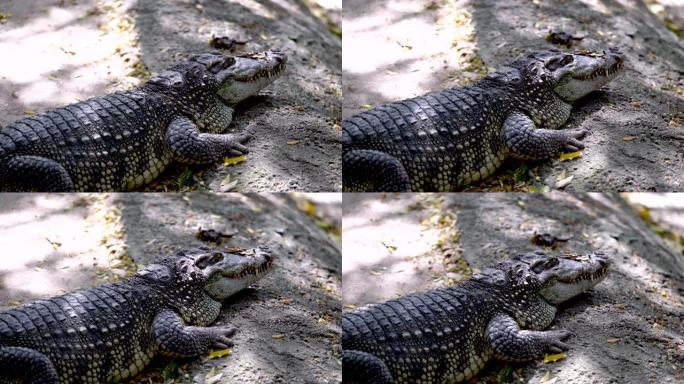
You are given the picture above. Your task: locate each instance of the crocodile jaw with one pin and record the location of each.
(249, 73)
(589, 71)
(572, 276)
(229, 273)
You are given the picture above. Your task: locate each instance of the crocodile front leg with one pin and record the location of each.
(27, 366)
(34, 173)
(368, 170)
(509, 343)
(177, 340)
(189, 146)
(363, 367)
(526, 142)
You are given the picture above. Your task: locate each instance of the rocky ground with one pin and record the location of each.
(288, 324)
(69, 50)
(627, 330)
(398, 49)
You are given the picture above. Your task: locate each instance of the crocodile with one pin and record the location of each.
(111, 332)
(124, 140)
(443, 141)
(447, 335)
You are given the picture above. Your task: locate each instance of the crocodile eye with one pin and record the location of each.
(567, 60)
(216, 258)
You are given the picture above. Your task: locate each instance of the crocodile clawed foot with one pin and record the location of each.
(555, 343)
(235, 143)
(222, 336)
(573, 142)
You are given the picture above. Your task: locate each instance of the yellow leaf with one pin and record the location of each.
(29, 112)
(350, 306)
(219, 353)
(292, 142)
(14, 303)
(366, 106)
(629, 138)
(278, 336)
(234, 160)
(612, 341)
(556, 357)
(570, 156)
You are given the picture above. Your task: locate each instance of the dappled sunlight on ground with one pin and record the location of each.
(387, 252)
(50, 245)
(401, 49)
(60, 53)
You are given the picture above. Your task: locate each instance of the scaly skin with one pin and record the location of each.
(448, 335)
(124, 140)
(109, 333)
(445, 140)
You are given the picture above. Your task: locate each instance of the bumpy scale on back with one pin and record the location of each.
(448, 335)
(109, 333)
(445, 140)
(126, 139)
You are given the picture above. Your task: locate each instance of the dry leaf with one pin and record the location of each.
(292, 142)
(14, 303)
(29, 112)
(375, 273)
(390, 248)
(278, 336)
(234, 160)
(350, 306)
(219, 353)
(612, 341)
(562, 183)
(570, 156)
(629, 138)
(556, 357)
(366, 106)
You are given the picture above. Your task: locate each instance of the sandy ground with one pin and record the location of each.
(288, 323)
(397, 49)
(627, 330)
(69, 50)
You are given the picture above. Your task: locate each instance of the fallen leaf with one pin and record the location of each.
(29, 112)
(292, 142)
(213, 379)
(234, 160)
(227, 185)
(562, 183)
(556, 357)
(390, 248)
(14, 303)
(612, 341)
(350, 306)
(278, 336)
(366, 106)
(219, 353)
(53, 78)
(570, 156)
(55, 244)
(375, 273)
(629, 138)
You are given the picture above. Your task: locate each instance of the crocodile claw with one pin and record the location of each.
(573, 142)
(555, 343)
(222, 335)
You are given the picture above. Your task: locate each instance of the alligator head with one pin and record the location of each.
(560, 278)
(218, 273)
(243, 75)
(574, 75)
